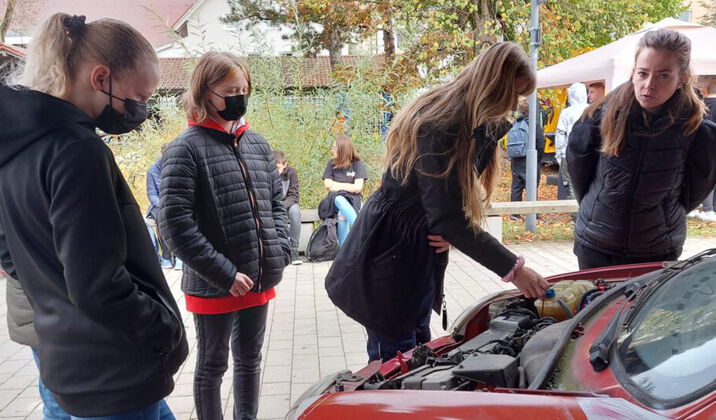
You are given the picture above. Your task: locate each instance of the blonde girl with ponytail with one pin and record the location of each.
(110, 333)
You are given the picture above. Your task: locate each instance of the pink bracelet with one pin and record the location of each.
(518, 264)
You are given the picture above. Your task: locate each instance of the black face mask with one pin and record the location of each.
(235, 106)
(112, 122)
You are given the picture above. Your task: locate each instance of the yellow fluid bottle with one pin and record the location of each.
(560, 302)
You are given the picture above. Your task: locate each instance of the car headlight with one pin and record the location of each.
(312, 394)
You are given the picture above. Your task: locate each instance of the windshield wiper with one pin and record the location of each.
(599, 351)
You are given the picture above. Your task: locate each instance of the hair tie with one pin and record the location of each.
(75, 25)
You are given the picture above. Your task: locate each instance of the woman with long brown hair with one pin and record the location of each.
(441, 166)
(344, 176)
(641, 158)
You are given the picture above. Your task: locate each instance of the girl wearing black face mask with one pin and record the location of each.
(441, 163)
(70, 229)
(222, 213)
(112, 122)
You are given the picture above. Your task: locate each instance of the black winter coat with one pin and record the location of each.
(110, 333)
(385, 267)
(635, 204)
(221, 210)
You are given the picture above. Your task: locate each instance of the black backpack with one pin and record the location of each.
(323, 245)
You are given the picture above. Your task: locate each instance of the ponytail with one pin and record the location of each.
(63, 42)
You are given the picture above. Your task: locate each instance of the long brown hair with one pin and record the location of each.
(212, 68)
(482, 93)
(613, 125)
(63, 42)
(346, 153)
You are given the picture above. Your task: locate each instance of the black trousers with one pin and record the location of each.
(591, 258)
(245, 330)
(518, 167)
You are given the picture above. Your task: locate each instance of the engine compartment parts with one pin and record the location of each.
(509, 353)
(535, 352)
(492, 369)
(564, 299)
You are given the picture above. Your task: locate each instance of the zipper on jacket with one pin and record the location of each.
(632, 190)
(253, 204)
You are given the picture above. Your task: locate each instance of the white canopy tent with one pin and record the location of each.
(613, 62)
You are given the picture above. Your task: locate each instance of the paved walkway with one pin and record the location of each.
(306, 337)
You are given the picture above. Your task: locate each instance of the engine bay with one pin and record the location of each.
(508, 354)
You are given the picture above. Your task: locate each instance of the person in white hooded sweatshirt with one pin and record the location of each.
(577, 100)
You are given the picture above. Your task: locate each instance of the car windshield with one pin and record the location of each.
(667, 348)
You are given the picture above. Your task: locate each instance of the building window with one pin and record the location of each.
(685, 16)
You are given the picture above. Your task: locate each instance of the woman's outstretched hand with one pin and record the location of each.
(530, 282)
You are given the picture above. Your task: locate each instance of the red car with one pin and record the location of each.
(630, 342)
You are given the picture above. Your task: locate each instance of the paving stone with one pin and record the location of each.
(307, 337)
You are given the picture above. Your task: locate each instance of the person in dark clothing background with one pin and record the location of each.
(708, 89)
(153, 180)
(289, 186)
(110, 334)
(641, 159)
(441, 165)
(221, 212)
(518, 165)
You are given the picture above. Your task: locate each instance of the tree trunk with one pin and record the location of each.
(334, 48)
(388, 35)
(388, 40)
(483, 14)
(7, 19)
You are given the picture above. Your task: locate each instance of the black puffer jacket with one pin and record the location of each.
(635, 204)
(221, 210)
(110, 333)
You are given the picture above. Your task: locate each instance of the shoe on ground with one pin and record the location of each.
(515, 218)
(297, 262)
(708, 216)
(167, 263)
(178, 264)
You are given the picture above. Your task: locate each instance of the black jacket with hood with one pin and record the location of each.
(635, 204)
(110, 333)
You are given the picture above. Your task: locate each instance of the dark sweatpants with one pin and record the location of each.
(519, 177)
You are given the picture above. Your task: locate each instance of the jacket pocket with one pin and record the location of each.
(388, 257)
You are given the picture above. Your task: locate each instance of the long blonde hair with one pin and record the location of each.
(482, 93)
(63, 42)
(613, 125)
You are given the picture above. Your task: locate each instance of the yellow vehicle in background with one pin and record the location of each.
(550, 113)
